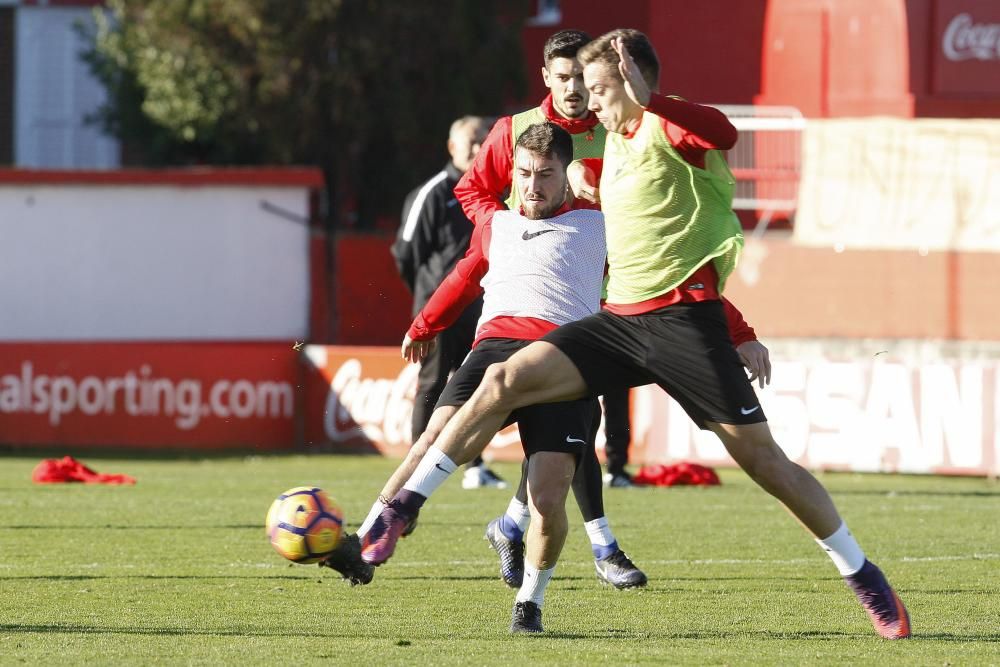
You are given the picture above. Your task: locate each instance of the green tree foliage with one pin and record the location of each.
(365, 89)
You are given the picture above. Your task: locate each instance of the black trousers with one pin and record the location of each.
(617, 430)
(453, 345)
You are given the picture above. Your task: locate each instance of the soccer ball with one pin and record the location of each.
(304, 524)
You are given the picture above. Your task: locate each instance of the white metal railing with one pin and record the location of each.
(767, 159)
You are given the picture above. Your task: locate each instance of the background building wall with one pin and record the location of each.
(55, 93)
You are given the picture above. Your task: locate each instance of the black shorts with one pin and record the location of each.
(684, 348)
(569, 427)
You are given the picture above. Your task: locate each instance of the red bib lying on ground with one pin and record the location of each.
(68, 469)
(675, 475)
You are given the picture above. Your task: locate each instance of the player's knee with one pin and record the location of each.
(549, 504)
(500, 381)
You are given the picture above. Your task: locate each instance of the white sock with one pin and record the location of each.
(519, 514)
(431, 472)
(370, 519)
(599, 532)
(844, 550)
(533, 587)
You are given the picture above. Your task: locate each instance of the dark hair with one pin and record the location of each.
(548, 139)
(564, 44)
(601, 51)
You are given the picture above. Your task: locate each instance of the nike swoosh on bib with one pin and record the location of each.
(527, 237)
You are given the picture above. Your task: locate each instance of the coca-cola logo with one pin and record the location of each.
(964, 39)
(378, 409)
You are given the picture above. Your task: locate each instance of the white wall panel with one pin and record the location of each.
(152, 263)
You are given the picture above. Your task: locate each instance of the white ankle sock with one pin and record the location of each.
(533, 587)
(843, 550)
(599, 532)
(519, 514)
(370, 519)
(431, 472)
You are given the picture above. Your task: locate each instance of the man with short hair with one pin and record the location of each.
(672, 242)
(482, 191)
(432, 237)
(519, 261)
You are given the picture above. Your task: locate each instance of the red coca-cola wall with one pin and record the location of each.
(709, 51)
(829, 58)
(844, 58)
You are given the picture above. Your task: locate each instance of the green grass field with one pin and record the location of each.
(177, 570)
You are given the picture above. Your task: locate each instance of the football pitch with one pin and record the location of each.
(177, 570)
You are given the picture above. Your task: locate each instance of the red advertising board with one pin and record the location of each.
(149, 395)
(966, 47)
(361, 399)
(830, 406)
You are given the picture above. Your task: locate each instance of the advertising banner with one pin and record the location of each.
(966, 48)
(937, 417)
(149, 396)
(361, 399)
(832, 405)
(884, 183)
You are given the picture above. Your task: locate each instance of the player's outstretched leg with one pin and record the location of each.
(755, 450)
(379, 543)
(403, 472)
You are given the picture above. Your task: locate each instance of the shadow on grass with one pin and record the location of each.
(914, 493)
(196, 526)
(440, 577)
(158, 577)
(630, 635)
(610, 634)
(29, 628)
(191, 526)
